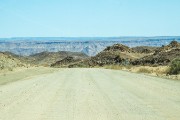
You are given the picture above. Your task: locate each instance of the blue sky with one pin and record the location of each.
(89, 18)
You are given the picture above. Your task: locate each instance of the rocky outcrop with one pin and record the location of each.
(172, 45)
(123, 55)
(119, 48)
(144, 49)
(162, 56)
(9, 62)
(116, 54)
(66, 62)
(49, 58)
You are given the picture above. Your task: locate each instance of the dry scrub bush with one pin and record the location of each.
(161, 71)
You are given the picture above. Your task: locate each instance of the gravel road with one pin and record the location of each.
(90, 94)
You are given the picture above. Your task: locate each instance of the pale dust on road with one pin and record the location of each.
(90, 94)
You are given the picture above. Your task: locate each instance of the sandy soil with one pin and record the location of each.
(22, 73)
(90, 94)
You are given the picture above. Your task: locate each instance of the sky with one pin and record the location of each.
(89, 18)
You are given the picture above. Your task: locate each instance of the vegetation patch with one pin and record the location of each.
(175, 67)
(144, 70)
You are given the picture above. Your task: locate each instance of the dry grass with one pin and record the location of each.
(161, 71)
(22, 73)
(144, 70)
(118, 67)
(140, 69)
(158, 70)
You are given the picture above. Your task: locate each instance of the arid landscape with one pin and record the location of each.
(117, 56)
(89, 60)
(119, 83)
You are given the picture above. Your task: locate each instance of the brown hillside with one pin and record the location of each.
(116, 54)
(9, 62)
(144, 49)
(48, 58)
(162, 56)
(66, 62)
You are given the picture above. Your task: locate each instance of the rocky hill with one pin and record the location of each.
(161, 58)
(145, 49)
(49, 58)
(116, 54)
(142, 55)
(118, 48)
(172, 45)
(8, 61)
(67, 61)
(162, 55)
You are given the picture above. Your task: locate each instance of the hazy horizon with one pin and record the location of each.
(88, 36)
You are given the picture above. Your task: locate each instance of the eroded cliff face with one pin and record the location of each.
(89, 46)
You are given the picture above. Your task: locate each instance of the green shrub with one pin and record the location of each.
(175, 67)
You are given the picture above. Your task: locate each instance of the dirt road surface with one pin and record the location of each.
(90, 94)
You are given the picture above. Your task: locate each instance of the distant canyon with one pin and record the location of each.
(88, 45)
